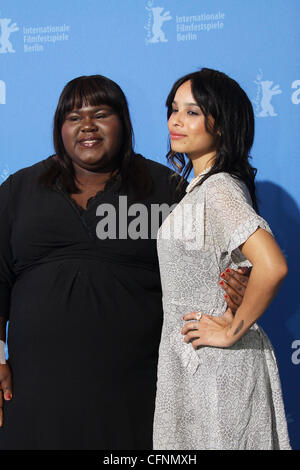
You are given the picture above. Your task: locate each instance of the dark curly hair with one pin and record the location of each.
(222, 98)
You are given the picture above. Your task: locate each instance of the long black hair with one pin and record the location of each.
(95, 90)
(222, 98)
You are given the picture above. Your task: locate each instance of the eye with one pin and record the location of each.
(193, 113)
(101, 115)
(72, 118)
(174, 110)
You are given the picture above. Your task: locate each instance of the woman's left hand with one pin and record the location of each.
(209, 330)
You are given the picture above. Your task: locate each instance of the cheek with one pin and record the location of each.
(65, 134)
(170, 121)
(197, 128)
(199, 132)
(115, 133)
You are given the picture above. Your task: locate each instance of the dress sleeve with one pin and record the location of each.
(7, 277)
(230, 215)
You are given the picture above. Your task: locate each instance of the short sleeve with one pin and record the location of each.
(230, 215)
(6, 270)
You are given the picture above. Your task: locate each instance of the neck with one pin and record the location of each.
(87, 178)
(200, 164)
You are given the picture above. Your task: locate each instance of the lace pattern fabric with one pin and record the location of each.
(212, 398)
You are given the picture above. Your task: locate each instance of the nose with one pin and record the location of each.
(88, 124)
(176, 119)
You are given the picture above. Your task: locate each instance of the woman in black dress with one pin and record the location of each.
(83, 298)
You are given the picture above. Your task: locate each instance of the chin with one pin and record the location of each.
(91, 160)
(178, 148)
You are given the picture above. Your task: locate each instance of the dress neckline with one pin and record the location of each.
(112, 183)
(194, 181)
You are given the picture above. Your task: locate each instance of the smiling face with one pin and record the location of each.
(92, 137)
(187, 129)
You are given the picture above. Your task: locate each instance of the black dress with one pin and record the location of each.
(85, 319)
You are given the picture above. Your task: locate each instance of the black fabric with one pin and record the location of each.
(85, 319)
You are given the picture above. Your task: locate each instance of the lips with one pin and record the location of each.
(174, 136)
(89, 142)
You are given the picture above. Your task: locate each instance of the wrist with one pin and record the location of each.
(230, 338)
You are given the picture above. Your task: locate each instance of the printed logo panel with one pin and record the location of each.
(184, 27)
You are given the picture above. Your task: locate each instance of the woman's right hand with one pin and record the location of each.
(5, 387)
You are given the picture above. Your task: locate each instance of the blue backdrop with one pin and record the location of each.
(145, 45)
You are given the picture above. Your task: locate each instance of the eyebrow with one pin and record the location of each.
(187, 104)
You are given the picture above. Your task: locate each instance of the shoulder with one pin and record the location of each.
(224, 179)
(31, 171)
(158, 168)
(224, 184)
(167, 180)
(26, 177)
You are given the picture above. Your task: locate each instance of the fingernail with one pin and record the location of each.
(8, 396)
(227, 270)
(226, 296)
(223, 275)
(221, 283)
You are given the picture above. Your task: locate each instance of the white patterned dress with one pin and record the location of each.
(212, 398)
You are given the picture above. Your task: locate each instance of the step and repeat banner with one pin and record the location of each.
(145, 45)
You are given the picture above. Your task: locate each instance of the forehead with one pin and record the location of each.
(184, 93)
(85, 107)
(83, 96)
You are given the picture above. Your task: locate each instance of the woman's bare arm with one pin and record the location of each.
(269, 270)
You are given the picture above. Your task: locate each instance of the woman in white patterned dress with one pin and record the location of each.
(218, 383)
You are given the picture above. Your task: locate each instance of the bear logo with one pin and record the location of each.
(159, 19)
(267, 91)
(6, 30)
